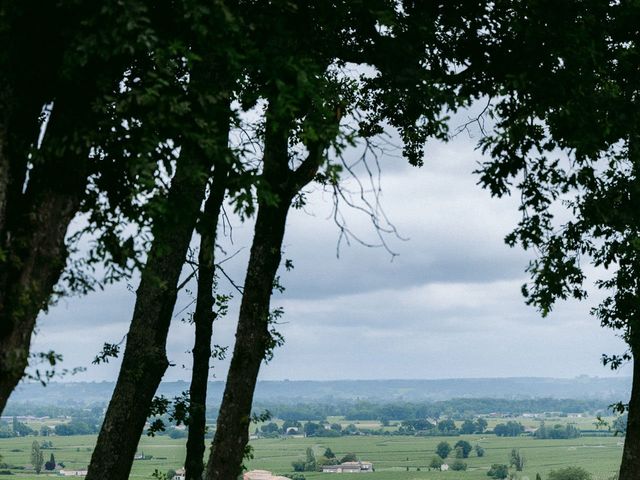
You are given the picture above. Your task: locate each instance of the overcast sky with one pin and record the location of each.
(448, 305)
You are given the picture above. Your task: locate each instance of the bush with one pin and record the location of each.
(569, 473)
(498, 471)
(458, 466)
(349, 457)
(298, 465)
(436, 462)
(479, 451)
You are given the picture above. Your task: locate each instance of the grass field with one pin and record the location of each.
(390, 455)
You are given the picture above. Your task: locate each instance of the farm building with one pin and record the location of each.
(180, 474)
(73, 473)
(261, 475)
(349, 467)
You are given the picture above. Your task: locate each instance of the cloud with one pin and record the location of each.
(449, 305)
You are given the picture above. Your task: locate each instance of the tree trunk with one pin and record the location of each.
(253, 336)
(252, 341)
(33, 243)
(145, 360)
(203, 318)
(630, 465)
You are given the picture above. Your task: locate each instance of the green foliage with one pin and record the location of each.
(51, 464)
(75, 427)
(328, 453)
(349, 457)
(481, 425)
(557, 431)
(516, 459)
(464, 447)
(468, 427)
(569, 473)
(447, 427)
(458, 465)
(443, 449)
(498, 471)
(620, 424)
(37, 459)
(293, 476)
(436, 462)
(479, 450)
(510, 429)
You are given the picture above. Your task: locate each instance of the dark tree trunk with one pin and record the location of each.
(253, 337)
(252, 341)
(630, 466)
(203, 318)
(145, 360)
(33, 241)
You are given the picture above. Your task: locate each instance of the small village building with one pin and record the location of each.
(261, 475)
(349, 467)
(73, 473)
(180, 474)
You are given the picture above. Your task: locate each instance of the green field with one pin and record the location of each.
(390, 455)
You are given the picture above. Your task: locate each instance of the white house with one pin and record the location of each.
(73, 473)
(261, 475)
(349, 467)
(180, 473)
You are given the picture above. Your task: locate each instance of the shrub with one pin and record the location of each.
(569, 473)
(298, 465)
(458, 466)
(498, 471)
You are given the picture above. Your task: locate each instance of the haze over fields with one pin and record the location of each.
(607, 389)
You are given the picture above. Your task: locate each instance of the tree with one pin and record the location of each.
(436, 462)
(598, 131)
(203, 143)
(510, 429)
(498, 471)
(349, 457)
(447, 426)
(270, 427)
(481, 425)
(467, 427)
(208, 307)
(329, 453)
(465, 448)
(51, 464)
(443, 449)
(44, 184)
(479, 451)
(516, 459)
(298, 465)
(306, 99)
(311, 429)
(569, 473)
(37, 458)
(310, 464)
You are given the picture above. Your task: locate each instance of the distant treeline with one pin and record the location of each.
(458, 409)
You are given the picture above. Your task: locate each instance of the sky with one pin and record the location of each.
(448, 305)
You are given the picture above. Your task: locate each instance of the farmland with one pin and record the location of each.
(394, 457)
